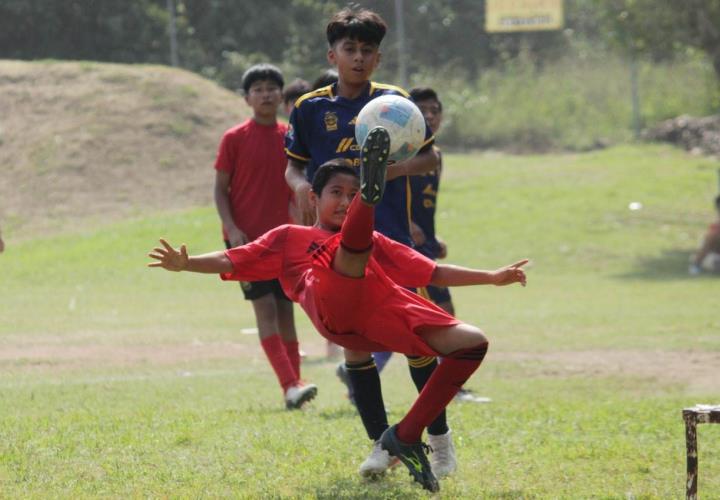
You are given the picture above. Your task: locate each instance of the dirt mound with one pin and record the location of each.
(84, 142)
(697, 135)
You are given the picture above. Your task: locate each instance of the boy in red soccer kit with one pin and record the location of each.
(252, 197)
(348, 278)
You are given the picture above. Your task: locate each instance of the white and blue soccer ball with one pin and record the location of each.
(402, 119)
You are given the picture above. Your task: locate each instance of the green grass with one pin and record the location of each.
(103, 396)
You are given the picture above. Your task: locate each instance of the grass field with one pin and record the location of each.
(119, 381)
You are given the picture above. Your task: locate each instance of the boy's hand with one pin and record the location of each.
(169, 258)
(511, 274)
(236, 237)
(443, 248)
(302, 198)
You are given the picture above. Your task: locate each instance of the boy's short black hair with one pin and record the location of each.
(328, 170)
(425, 94)
(295, 89)
(362, 25)
(329, 77)
(261, 72)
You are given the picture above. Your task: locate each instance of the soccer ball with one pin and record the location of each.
(402, 119)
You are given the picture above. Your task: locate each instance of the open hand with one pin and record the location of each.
(511, 274)
(169, 258)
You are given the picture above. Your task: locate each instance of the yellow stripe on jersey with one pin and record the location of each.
(429, 139)
(384, 86)
(295, 156)
(423, 292)
(322, 91)
(421, 362)
(408, 191)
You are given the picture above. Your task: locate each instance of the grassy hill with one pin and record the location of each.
(85, 141)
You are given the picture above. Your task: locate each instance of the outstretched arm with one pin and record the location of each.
(424, 162)
(178, 260)
(449, 275)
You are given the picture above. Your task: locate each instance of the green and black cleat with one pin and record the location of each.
(413, 456)
(373, 165)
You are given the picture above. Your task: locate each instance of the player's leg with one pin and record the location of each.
(365, 381)
(463, 348)
(266, 316)
(357, 229)
(286, 327)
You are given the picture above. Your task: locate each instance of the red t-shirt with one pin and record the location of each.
(254, 155)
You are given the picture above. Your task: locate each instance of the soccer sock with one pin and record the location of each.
(421, 368)
(381, 359)
(446, 380)
(357, 229)
(292, 348)
(365, 380)
(275, 352)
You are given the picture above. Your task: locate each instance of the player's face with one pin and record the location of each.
(355, 60)
(264, 97)
(432, 112)
(333, 202)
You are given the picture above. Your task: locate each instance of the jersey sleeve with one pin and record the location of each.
(296, 137)
(402, 264)
(225, 159)
(259, 260)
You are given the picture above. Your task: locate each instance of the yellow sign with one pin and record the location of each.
(503, 16)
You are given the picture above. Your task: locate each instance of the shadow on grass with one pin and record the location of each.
(669, 266)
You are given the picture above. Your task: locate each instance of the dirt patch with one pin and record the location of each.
(86, 143)
(694, 369)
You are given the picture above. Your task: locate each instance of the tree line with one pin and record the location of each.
(218, 38)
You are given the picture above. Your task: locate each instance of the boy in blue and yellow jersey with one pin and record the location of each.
(424, 190)
(322, 127)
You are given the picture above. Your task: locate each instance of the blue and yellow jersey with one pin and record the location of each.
(322, 127)
(424, 189)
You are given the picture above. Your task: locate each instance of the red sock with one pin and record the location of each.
(275, 352)
(441, 387)
(292, 348)
(357, 229)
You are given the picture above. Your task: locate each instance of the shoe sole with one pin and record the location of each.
(308, 396)
(388, 442)
(373, 165)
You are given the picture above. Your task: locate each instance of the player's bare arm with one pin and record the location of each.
(450, 275)
(178, 260)
(295, 177)
(222, 201)
(422, 163)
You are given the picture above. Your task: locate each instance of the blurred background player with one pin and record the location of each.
(707, 258)
(2, 243)
(322, 127)
(328, 77)
(251, 198)
(424, 202)
(292, 92)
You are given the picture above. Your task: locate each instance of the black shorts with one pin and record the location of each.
(253, 290)
(436, 294)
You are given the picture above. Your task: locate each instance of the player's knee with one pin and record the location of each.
(356, 356)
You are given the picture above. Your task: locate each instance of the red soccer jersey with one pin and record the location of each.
(346, 310)
(254, 155)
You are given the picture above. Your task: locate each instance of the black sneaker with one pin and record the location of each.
(413, 455)
(373, 165)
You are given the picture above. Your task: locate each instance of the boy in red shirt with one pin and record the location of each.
(252, 198)
(349, 278)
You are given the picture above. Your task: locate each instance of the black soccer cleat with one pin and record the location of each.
(413, 456)
(373, 165)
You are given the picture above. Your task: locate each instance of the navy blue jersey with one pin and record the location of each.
(424, 189)
(322, 127)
